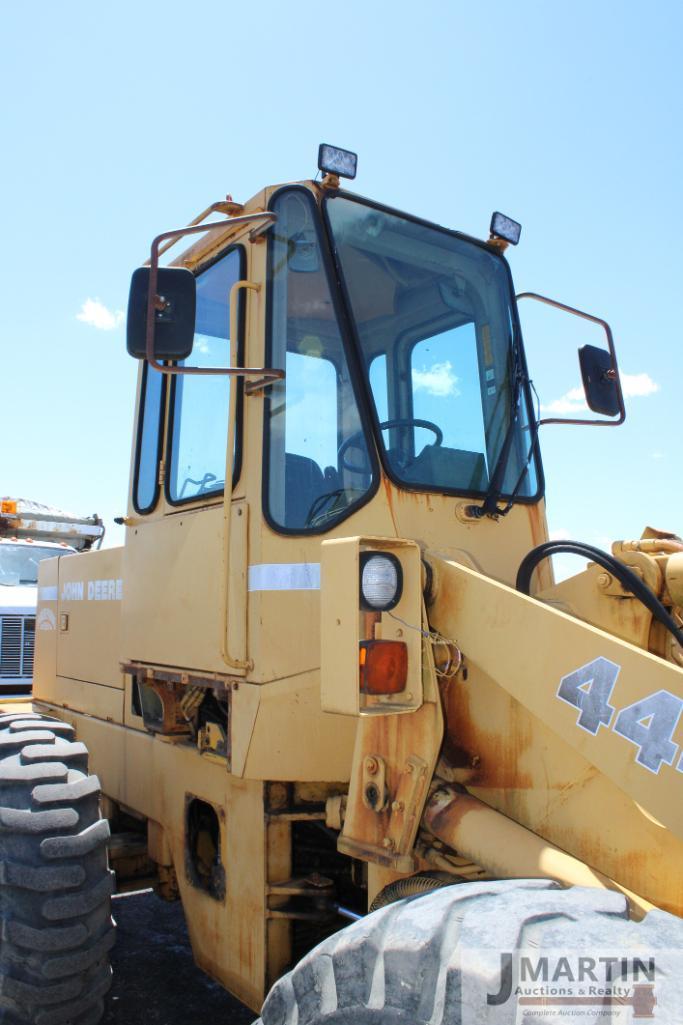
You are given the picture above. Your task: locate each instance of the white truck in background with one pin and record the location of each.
(29, 533)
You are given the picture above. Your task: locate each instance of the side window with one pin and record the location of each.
(200, 405)
(379, 386)
(318, 465)
(304, 437)
(447, 393)
(148, 449)
(447, 390)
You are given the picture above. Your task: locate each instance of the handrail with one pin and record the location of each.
(266, 373)
(234, 663)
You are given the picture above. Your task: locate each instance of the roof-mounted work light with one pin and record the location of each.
(505, 228)
(341, 162)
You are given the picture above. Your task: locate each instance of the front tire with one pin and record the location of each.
(55, 884)
(428, 960)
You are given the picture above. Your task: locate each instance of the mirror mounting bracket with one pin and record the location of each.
(611, 374)
(156, 302)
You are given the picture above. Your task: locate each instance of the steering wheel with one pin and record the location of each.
(354, 440)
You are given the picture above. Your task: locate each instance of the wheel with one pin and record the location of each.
(55, 884)
(448, 958)
(358, 437)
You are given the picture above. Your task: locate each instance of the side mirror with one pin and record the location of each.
(174, 314)
(599, 374)
(599, 380)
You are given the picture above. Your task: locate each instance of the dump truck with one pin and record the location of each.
(328, 693)
(29, 533)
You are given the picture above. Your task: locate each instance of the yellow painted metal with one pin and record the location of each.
(290, 737)
(172, 590)
(341, 626)
(506, 848)
(235, 585)
(233, 595)
(514, 744)
(90, 590)
(155, 778)
(589, 596)
(287, 661)
(407, 746)
(47, 623)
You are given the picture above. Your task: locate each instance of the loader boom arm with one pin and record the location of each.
(618, 706)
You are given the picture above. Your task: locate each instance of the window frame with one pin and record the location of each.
(140, 510)
(207, 496)
(356, 377)
(351, 321)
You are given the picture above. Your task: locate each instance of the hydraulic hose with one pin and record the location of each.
(424, 882)
(630, 580)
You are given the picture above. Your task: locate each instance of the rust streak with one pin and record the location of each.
(389, 491)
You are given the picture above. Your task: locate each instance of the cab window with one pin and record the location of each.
(148, 446)
(317, 465)
(200, 405)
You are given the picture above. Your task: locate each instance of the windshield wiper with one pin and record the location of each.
(495, 492)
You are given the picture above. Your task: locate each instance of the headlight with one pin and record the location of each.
(505, 228)
(381, 581)
(332, 160)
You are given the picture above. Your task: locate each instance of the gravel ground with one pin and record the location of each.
(156, 982)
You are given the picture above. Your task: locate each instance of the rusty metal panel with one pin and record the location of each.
(401, 750)
(228, 936)
(516, 744)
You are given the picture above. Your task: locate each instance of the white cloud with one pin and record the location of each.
(574, 402)
(638, 384)
(96, 314)
(560, 534)
(438, 380)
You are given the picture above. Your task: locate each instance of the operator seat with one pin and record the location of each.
(304, 482)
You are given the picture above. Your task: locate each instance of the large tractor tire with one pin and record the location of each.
(435, 958)
(56, 929)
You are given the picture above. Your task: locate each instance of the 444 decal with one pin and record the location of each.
(649, 724)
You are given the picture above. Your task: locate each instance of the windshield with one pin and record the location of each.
(19, 563)
(433, 314)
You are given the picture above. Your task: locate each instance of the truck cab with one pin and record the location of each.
(29, 533)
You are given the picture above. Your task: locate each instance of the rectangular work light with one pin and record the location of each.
(332, 160)
(505, 228)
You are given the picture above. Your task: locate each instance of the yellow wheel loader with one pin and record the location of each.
(329, 677)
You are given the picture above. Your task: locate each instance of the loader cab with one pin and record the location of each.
(400, 355)
(348, 370)
(401, 349)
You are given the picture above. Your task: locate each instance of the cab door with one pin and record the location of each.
(175, 569)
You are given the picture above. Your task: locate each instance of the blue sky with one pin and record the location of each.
(120, 121)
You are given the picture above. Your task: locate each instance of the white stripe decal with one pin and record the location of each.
(48, 594)
(285, 576)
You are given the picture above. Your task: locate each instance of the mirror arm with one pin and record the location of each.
(155, 302)
(613, 373)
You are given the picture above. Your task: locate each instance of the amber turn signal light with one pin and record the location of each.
(383, 667)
